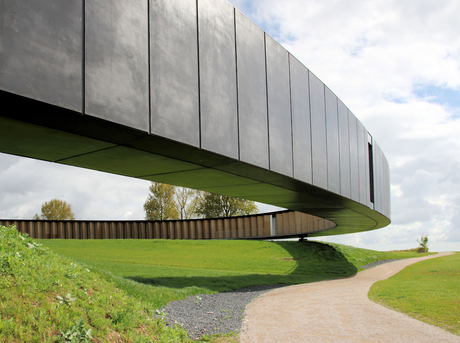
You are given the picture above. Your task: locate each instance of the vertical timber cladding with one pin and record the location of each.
(116, 62)
(217, 65)
(279, 107)
(252, 92)
(174, 70)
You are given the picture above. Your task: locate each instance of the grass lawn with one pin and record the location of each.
(179, 268)
(428, 290)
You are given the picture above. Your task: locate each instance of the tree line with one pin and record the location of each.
(166, 202)
(170, 202)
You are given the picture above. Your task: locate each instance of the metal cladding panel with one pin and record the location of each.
(384, 205)
(378, 178)
(354, 158)
(318, 132)
(368, 140)
(387, 187)
(219, 119)
(41, 50)
(252, 92)
(332, 134)
(174, 70)
(116, 62)
(301, 130)
(344, 148)
(362, 152)
(279, 107)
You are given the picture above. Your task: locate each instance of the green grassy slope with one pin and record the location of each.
(428, 290)
(47, 298)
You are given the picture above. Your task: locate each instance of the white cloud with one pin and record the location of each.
(26, 184)
(384, 59)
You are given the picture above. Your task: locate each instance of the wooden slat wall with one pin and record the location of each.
(287, 223)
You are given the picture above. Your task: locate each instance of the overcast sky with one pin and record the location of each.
(394, 63)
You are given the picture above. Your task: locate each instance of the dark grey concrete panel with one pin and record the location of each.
(354, 159)
(362, 152)
(41, 50)
(116, 62)
(332, 134)
(219, 120)
(252, 92)
(344, 148)
(318, 132)
(174, 70)
(301, 127)
(279, 107)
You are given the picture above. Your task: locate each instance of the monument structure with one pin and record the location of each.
(185, 92)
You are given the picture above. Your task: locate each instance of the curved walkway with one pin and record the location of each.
(336, 311)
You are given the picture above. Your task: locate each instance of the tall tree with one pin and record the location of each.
(56, 209)
(160, 204)
(210, 205)
(183, 205)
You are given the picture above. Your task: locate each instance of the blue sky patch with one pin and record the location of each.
(439, 95)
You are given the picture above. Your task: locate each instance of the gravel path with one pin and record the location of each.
(336, 311)
(213, 313)
(224, 312)
(378, 263)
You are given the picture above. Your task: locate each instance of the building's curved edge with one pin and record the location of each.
(180, 109)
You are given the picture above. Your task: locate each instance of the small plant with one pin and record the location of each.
(76, 334)
(68, 300)
(423, 242)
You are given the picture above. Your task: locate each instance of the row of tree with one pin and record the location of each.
(171, 202)
(168, 202)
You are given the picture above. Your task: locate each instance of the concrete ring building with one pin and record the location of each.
(184, 92)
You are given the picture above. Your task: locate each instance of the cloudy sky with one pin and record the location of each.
(394, 63)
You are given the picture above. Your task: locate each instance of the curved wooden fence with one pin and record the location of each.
(266, 225)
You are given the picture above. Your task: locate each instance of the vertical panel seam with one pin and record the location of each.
(149, 61)
(357, 151)
(338, 140)
(237, 87)
(83, 59)
(267, 99)
(325, 126)
(199, 73)
(290, 113)
(311, 126)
